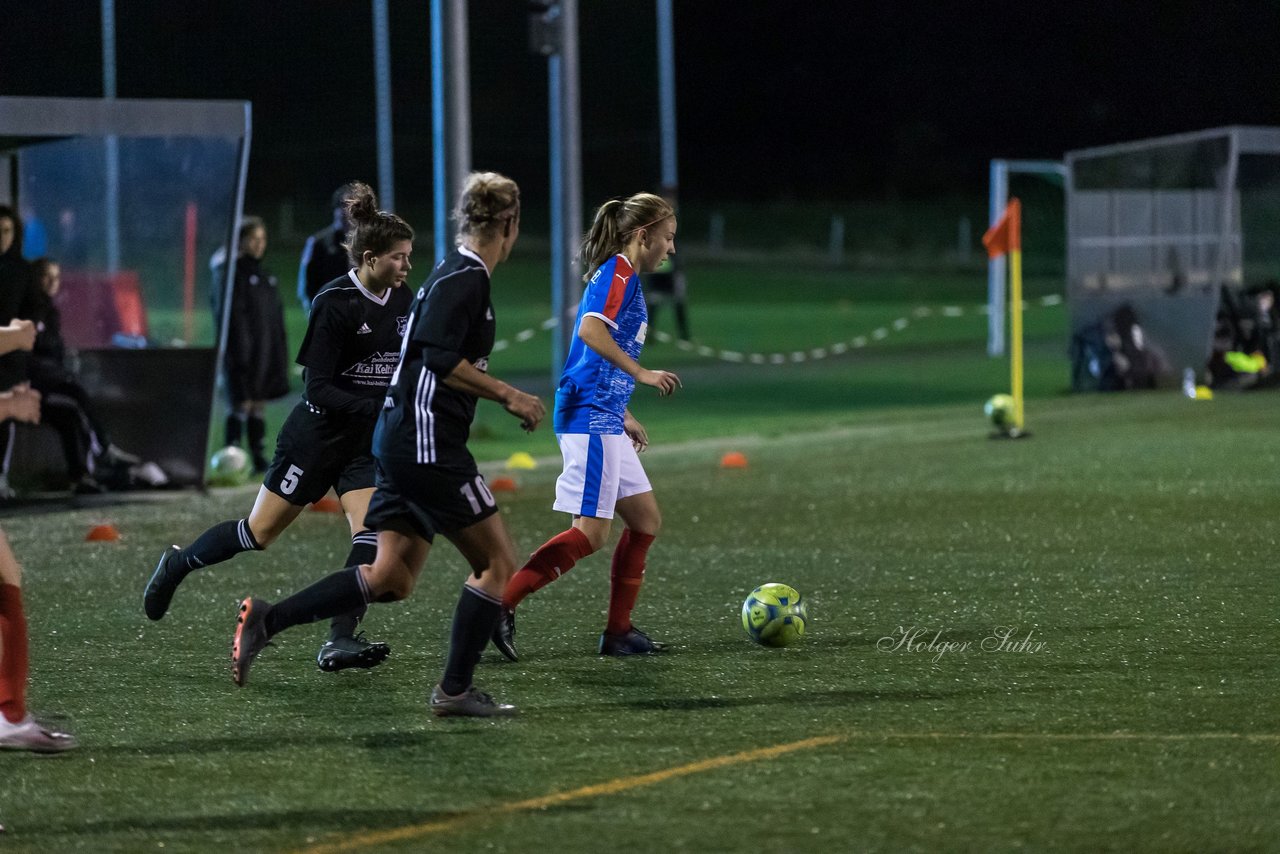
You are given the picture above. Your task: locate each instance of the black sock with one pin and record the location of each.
(223, 541)
(256, 427)
(364, 548)
(473, 623)
(339, 593)
(235, 428)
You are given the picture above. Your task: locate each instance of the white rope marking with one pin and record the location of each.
(813, 354)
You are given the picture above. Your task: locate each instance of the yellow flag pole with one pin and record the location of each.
(1015, 309)
(1015, 333)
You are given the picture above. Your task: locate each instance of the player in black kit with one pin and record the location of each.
(428, 483)
(350, 352)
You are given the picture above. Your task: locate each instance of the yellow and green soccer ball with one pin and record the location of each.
(774, 615)
(1000, 410)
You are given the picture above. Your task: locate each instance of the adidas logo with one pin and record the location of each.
(364, 329)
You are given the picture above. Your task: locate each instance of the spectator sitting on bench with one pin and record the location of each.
(93, 462)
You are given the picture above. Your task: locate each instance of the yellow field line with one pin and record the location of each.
(1074, 736)
(620, 784)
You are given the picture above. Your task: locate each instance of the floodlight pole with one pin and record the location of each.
(112, 201)
(382, 86)
(450, 112)
(554, 34)
(667, 117)
(667, 98)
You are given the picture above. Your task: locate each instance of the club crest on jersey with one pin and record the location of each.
(402, 325)
(482, 364)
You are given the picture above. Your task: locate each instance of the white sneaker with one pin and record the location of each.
(28, 734)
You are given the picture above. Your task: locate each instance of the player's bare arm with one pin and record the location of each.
(22, 403)
(18, 335)
(595, 334)
(635, 431)
(466, 377)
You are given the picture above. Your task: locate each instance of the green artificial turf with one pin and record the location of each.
(1124, 551)
(1133, 537)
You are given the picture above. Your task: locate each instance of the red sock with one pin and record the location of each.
(13, 656)
(553, 559)
(625, 577)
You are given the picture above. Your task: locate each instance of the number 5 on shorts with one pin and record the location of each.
(289, 482)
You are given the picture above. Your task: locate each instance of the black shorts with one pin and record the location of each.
(432, 499)
(315, 452)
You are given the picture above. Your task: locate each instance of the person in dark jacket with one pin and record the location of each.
(16, 293)
(255, 362)
(324, 256)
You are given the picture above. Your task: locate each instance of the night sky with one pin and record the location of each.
(780, 101)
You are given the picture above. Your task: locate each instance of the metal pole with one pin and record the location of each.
(996, 266)
(667, 97)
(382, 85)
(566, 178)
(112, 154)
(450, 112)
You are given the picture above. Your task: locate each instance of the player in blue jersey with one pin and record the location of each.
(428, 482)
(350, 351)
(599, 438)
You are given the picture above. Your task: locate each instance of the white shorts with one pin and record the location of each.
(598, 470)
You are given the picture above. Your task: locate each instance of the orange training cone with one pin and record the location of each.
(328, 504)
(733, 460)
(102, 534)
(502, 484)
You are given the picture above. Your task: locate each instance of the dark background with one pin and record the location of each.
(777, 101)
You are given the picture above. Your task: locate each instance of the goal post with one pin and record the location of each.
(997, 269)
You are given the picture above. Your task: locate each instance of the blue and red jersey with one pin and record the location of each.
(593, 393)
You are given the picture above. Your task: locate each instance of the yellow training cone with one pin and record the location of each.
(521, 460)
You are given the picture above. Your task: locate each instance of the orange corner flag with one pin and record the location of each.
(1006, 235)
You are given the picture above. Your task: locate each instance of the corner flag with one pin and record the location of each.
(1005, 237)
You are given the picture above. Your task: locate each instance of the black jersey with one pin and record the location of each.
(352, 346)
(423, 420)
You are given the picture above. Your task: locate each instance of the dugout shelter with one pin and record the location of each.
(132, 197)
(1170, 228)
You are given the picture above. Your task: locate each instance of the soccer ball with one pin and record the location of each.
(1000, 410)
(228, 465)
(774, 615)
